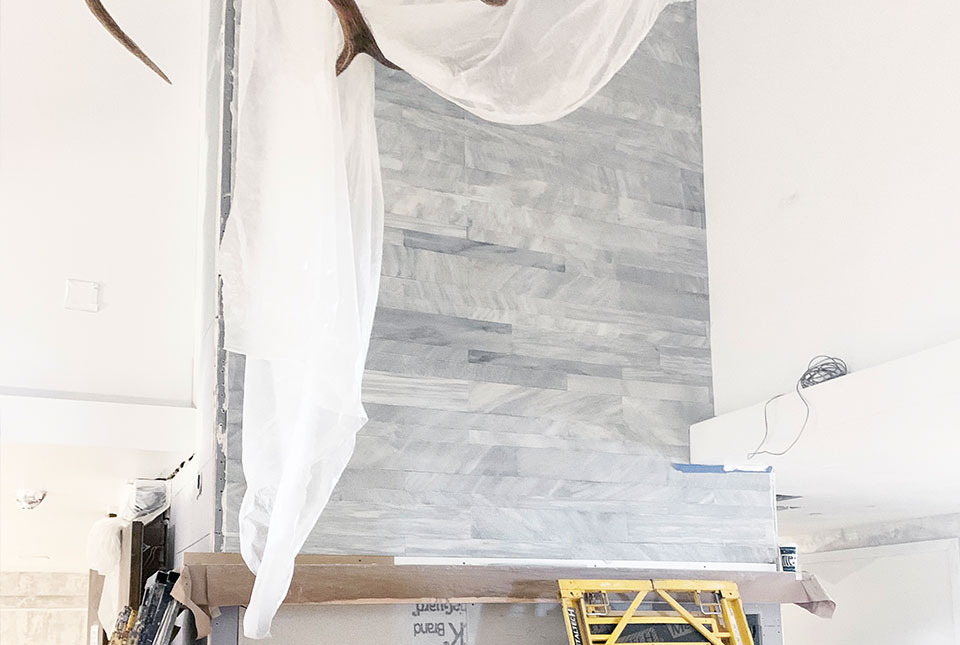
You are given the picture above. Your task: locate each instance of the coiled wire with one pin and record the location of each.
(820, 369)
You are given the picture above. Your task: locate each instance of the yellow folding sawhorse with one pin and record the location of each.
(604, 612)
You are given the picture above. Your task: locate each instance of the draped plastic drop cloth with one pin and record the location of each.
(300, 258)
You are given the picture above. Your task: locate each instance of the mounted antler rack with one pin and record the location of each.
(357, 37)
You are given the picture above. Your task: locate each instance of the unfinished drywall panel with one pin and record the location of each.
(831, 151)
(541, 345)
(885, 595)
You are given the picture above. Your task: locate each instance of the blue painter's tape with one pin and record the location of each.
(717, 468)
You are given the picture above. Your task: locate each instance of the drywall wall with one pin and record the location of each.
(831, 152)
(100, 180)
(885, 595)
(541, 345)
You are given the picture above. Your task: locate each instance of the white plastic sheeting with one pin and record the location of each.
(300, 258)
(143, 501)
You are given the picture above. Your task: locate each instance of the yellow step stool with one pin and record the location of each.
(604, 612)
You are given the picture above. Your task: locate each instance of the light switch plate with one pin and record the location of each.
(82, 295)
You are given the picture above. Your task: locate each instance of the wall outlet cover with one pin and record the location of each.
(82, 295)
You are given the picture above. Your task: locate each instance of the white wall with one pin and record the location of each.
(885, 595)
(100, 179)
(831, 157)
(110, 175)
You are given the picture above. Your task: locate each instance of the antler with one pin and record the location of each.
(357, 37)
(101, 13)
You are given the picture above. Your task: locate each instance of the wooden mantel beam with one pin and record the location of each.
(222, 579)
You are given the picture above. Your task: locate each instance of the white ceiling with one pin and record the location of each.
(83, 484)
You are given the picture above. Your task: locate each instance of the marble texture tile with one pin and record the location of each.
(482, 250)
(429, 329)
(544, 364)
(542, 339)
(427, 456)
(380, 346)
(38, 608)
(662, 279)
(416, 366)
(422, 391)
(689, 360)
(513, 400)
(369, 519)
(529, 525)
(405, 224)
(640, 389)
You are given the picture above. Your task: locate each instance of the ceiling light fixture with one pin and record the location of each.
(30, 498)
